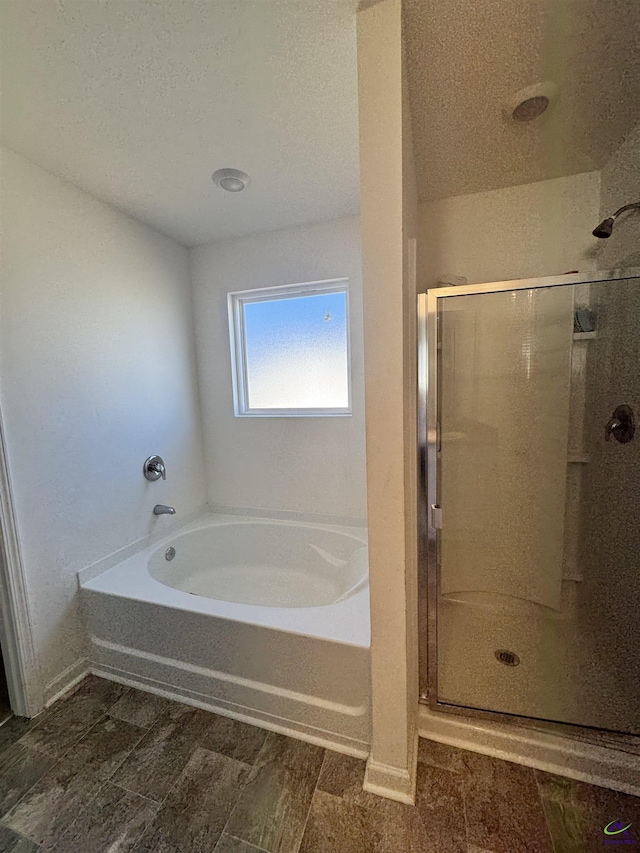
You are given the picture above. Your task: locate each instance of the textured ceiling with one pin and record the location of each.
(139, 101)
(467, 58)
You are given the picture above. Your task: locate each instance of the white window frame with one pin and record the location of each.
(236, 302)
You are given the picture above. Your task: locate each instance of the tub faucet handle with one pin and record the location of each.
(154, 468)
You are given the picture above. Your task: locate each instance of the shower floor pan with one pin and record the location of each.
(558, 674)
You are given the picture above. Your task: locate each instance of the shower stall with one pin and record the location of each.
(530, 566)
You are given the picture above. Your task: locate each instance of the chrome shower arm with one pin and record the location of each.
(633, 206)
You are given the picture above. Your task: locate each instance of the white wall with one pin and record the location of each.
(307, 465)
(519, 232)
(97, 373)
(620, 184)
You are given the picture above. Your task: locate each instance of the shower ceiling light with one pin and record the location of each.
(531, 102)
(231, 180)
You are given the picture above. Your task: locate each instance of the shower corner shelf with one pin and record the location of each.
(584, 336)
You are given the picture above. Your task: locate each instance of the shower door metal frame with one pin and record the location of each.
(428, 484)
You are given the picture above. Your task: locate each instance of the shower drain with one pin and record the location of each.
(507, 658)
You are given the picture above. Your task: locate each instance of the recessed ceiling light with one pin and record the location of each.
(231, 180)
(530, 103)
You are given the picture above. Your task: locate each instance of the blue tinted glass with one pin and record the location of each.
(297, 352)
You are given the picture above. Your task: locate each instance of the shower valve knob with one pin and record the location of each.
(154, 468)
(621, 426)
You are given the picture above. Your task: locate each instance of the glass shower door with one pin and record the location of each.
(538, 481)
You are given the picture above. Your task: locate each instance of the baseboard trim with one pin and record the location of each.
(552, 753)
(394, 783)
(66, 681)
(280, 725)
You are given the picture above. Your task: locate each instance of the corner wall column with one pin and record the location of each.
(388, 217)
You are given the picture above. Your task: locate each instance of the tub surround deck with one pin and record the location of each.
(345, 622)
(303, 671)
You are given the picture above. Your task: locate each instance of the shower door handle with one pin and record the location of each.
(621, 426)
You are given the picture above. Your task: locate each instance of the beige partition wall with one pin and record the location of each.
(388, 224)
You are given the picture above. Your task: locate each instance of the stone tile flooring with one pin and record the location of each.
(110, 769)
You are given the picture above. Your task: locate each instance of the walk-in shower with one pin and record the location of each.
(530, 581)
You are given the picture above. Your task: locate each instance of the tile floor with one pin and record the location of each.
(113, 769)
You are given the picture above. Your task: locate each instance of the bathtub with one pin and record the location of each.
(262, 620)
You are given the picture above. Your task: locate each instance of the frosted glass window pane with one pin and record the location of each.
(296, 352)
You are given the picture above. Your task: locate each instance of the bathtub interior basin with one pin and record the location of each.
(268, 564)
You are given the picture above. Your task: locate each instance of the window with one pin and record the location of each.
(290, 350)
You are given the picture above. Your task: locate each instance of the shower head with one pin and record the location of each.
(606, 226)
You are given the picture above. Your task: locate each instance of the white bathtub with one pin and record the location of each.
(264, 563)
(263, 620)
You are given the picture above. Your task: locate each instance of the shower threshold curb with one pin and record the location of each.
(550, 752)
